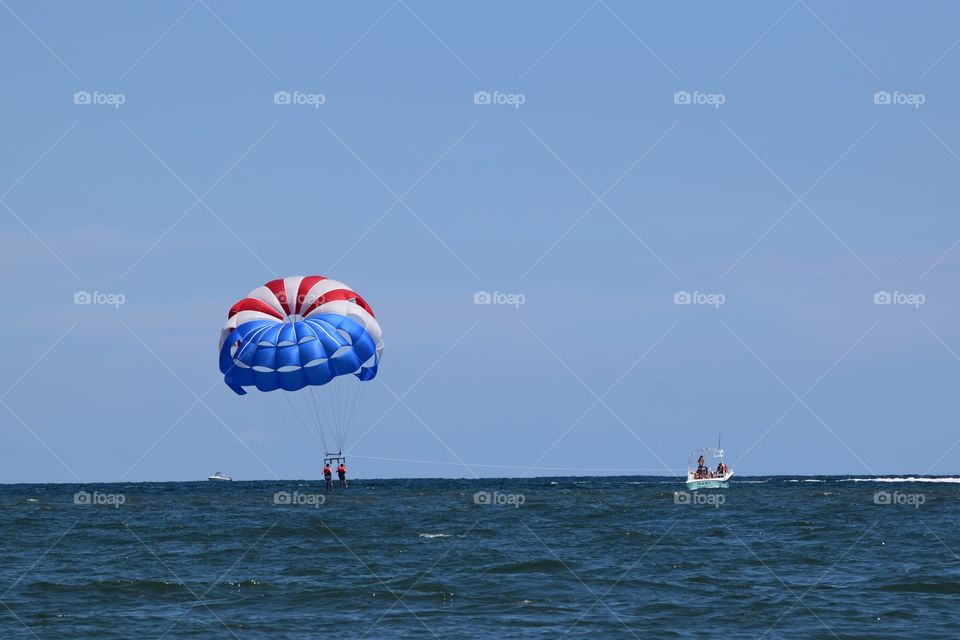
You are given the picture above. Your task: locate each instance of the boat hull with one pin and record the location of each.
(720, 482)
(711, 483)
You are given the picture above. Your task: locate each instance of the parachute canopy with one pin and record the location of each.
(299, 332)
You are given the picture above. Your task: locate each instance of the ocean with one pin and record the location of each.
(627, 557)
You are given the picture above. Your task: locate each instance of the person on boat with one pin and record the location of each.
(328, 476)
(702, 470)
(342, 474)
(721, 468)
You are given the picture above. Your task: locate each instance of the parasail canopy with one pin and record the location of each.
(299, 334)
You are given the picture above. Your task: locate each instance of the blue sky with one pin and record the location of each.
(784, 187)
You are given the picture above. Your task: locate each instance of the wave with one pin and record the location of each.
(528, 567)
(112, 586)
(805, 480)
(434, 535)
(940, 480)
(942, 587)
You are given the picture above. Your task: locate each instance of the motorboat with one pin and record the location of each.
(702, 469)
(220, 476)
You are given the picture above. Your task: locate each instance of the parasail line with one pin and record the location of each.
(511, 466)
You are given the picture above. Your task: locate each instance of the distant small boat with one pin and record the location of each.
(220, 476)
(705, 475)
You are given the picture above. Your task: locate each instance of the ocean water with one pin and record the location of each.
(776, 557)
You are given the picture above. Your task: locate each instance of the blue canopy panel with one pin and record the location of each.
(273, 355)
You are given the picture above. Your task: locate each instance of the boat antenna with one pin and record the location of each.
(720, 433)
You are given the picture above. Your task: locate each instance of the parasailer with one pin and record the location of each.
(311, 339)
(328, 476)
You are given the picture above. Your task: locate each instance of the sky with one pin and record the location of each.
(696, 217)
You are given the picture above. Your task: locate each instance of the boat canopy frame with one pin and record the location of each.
(714, 452)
